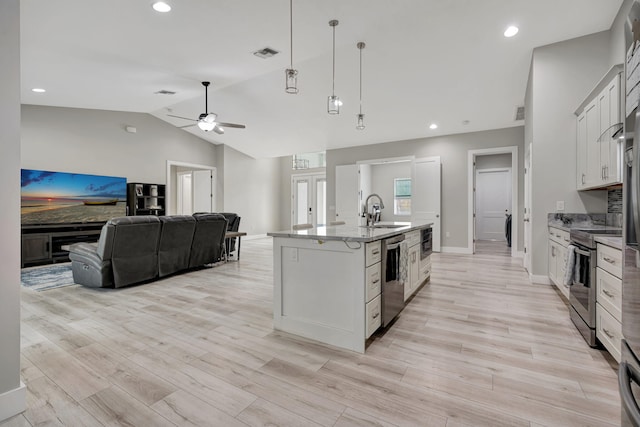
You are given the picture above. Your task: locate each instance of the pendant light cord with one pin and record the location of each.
(333, 85)
(291, 30)
(360, 80)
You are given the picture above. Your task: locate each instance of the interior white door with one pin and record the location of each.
(493, 203)
(309, 197)
(202, 181)
(184, 204)
(425, 195)
(347, 199)
(527, 208)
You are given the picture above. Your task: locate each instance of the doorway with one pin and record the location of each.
(493, 201)
(309, 199)
(190, 188)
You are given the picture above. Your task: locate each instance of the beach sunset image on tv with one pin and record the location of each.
(60, 197)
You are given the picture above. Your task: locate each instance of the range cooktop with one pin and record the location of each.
(586, 236)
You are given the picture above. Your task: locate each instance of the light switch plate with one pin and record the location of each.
(560, 205)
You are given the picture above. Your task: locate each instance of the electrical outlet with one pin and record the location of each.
(560, 205)
(293, 254)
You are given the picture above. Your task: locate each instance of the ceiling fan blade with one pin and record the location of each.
(187, 126)
(218, 130)
(183, 118)
(231, 125)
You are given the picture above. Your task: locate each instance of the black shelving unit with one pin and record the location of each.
(145, 199)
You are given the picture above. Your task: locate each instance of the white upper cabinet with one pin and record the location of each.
(598, 150)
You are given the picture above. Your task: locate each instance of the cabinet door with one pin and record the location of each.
(414, 271)
(581, 151)
(609, 152)
(594, 170)
(553, 264)
(36, 247)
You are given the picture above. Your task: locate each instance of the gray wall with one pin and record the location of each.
(12, 397)
(382, 183)
(562, 75)
(493, 161)
(252, 190)
(453, 151)
(94, 141)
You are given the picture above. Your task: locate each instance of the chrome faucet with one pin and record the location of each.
(371, 217)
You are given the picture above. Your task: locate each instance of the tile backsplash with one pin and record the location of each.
(614, 201)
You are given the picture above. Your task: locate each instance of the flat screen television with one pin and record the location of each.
(67, 198)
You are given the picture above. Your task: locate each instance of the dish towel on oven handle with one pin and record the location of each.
(570, 269)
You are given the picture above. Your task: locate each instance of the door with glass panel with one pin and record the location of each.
(308, 199)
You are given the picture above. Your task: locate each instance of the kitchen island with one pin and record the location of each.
(328, 280)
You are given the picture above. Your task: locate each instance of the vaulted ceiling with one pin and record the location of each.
(426, 61)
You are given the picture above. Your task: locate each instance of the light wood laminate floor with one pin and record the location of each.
(477, 346)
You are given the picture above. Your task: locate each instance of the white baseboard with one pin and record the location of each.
(455, 250)
(13, 402)
(540, 279)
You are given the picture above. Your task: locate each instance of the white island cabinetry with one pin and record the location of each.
(328, 282)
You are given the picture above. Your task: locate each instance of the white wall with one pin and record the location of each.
(382, 183)
(12, 392)
(252, 190)
(493, 161)
(453, 151)
(562, 75)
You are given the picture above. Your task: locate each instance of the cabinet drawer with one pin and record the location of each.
(373, 312)
(373, 253)
(412, 238)
(609, 293)
(608, 331)
(425, 268)
(610, 259)
(559, 236)
(372, 275)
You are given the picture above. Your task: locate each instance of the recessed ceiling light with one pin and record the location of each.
(38, 90)
(511, 31)
(161, 6)
(433, 126)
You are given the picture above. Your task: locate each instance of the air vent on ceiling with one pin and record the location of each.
(265, 53)
(519, 113)
(165, 92)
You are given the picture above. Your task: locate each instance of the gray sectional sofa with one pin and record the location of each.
(136, 249)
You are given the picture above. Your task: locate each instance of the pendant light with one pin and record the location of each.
(360, 125)
(333, 102)
(291, 75)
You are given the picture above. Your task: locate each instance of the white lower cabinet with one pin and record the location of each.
(558, 252)
(419, 269)
(609, 299)
(373, 313)
(609, 331)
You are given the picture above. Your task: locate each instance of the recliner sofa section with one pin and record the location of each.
(136, 249)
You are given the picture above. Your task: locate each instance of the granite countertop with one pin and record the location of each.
(612, 241)
(353, 233)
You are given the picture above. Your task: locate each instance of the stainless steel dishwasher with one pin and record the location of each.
(392, 282)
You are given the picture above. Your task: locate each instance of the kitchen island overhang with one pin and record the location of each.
(327, 281)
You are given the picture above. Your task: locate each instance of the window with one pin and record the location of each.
(402, 196)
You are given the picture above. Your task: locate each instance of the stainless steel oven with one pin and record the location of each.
(392, 283)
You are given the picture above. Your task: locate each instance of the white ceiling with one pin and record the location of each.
(442, 61)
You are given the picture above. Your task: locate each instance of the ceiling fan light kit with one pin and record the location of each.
(291, 75)
(207, 121)
(333, 101)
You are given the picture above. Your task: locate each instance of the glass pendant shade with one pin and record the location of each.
(206, 126)
(292, 80)
(333, 104)
(360, 125)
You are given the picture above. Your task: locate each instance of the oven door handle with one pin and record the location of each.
(581, 252)
(393, 246)
(626, 374)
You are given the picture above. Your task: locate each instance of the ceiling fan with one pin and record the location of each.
(207, 121)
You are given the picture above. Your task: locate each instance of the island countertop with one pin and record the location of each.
(349, 233)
